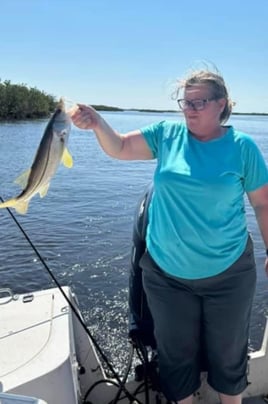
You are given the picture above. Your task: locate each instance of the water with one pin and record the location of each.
(83, 227)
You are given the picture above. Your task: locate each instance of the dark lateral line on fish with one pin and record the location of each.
(33, 189)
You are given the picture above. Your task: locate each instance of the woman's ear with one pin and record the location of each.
(222, 103)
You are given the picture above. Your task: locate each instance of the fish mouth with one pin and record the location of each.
(61, 105)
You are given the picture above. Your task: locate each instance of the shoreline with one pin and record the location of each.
(104, 108)
(117, 109)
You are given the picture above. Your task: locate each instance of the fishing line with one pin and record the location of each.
(77, 314)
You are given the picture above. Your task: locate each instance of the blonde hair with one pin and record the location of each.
(215, 82)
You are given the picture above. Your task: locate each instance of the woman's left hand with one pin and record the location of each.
(266, 266)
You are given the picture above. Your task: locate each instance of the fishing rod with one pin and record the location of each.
(73, 308)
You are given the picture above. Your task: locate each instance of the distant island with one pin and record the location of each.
(117, 109)
(19, 102)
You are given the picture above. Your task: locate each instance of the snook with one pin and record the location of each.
(51, 151)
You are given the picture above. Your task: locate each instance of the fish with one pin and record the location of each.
(51, 151)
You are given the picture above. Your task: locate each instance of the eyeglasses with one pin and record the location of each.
(196, 105)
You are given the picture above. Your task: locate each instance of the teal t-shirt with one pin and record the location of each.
(197, 222)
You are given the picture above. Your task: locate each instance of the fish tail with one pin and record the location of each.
(9, 204)
(20, 206)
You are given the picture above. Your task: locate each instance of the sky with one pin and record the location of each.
(130, 54)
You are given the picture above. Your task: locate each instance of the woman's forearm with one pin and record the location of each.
(110, 141)
(130, 146)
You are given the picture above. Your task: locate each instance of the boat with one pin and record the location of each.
(49, 356)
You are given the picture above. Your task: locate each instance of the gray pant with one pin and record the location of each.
(203, 322)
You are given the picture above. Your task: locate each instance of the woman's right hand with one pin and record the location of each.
(85, 117)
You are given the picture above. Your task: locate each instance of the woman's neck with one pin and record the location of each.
(210, 134)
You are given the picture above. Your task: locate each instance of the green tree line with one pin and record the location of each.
(18, 101)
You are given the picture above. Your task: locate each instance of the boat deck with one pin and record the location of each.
(255, 400)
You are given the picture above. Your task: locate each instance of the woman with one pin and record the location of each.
(198, 270)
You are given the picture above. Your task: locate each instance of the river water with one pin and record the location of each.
(83, 227)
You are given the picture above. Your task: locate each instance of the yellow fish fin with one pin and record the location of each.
(43, 190)
(20, 206)
(67, 159)
(23, 178)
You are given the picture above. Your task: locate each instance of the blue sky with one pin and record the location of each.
(129, 53)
